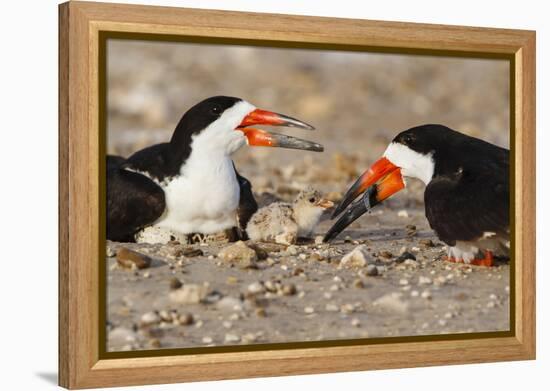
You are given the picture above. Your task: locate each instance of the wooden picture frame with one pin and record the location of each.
(81, 151)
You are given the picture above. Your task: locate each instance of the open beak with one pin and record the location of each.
(325, 204)
(264, 138)
(376, 184)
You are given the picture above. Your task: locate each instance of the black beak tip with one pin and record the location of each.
(328, 237)
(335, 212)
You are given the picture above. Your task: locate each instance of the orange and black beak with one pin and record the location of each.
(376, 184)
(260, 137)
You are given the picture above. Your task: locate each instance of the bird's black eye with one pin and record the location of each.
(216, 110)
(312, 200)
(408, 138)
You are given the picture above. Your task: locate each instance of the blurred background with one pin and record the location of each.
(357, 101)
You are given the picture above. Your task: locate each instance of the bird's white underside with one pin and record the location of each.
(204, 197)
(498, 244)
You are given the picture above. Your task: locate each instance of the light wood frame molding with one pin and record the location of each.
(80, 165)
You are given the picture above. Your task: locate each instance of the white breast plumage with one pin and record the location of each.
(203, 199)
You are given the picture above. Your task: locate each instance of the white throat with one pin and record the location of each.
(220, 136)
(413, 164)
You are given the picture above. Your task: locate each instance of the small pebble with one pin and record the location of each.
(154, 343)
(165, 316)
(186, 319)
(385, 254)
(207, 340)
(289, 289)
(229, 303)
(175, 283)
(232, 338)
(347, 308)
(256, 288)
(227, 324)
(240, 255)
(192, 252)
(423, 280)
(130, 259)
(371, 271)
(404, 256)
(270, 286)
(392, 302)
(149, 318)
(355, 259)
(426, 242)
(249, 338)
(309, 310)
(298, 271)
(358, 283)
(189, 294)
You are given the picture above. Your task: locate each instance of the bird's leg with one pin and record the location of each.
(453, 259)
(486, 261)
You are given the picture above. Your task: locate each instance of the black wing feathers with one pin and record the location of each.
(247, 203)
(473, 199)
(133, 201)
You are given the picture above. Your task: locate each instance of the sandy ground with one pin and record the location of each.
(303, 292)
(294, 295)
(358, 103)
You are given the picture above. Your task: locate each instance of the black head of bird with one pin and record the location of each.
(225, 122)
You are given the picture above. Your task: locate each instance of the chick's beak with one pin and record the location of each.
(379, 182)
(325, 204)
(259, 137)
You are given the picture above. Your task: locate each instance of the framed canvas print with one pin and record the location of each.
(248, 195)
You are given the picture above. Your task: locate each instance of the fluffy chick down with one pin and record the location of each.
(284, 222)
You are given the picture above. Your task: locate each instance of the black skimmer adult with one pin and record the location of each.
(466, 196)
(190, 185)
